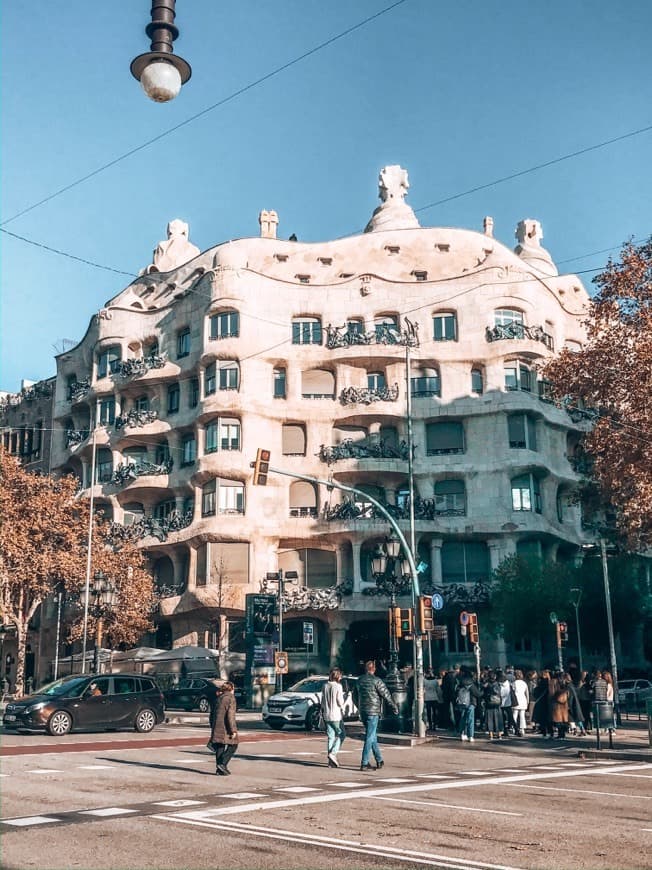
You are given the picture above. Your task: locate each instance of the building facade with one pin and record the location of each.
(317, 352)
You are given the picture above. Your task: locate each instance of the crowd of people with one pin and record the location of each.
(509, 702)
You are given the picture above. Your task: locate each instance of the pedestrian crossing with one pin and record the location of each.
(211, 801)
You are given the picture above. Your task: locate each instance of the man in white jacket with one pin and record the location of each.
(332, 711)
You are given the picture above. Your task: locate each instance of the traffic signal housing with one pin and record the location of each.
(562, 630)
(261, 467)
(474, 634)
(402, 621)
(426, 613)
(281, 662)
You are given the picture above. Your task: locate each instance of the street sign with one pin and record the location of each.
(464, 618)
(308, 633)
(440, 632)
(281, 662)
(437, 601)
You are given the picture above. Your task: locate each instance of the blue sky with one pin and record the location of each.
(459, 93)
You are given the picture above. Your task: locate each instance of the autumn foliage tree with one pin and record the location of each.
(612, 375)
(43, 548)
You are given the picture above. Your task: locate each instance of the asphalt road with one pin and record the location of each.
(130, 802)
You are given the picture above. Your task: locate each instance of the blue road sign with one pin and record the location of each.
(437, 601)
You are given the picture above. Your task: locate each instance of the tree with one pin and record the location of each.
(43, 548)
(612, 376)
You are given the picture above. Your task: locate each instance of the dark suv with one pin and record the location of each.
(86, 703)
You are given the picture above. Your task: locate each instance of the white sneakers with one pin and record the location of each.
(463, 737)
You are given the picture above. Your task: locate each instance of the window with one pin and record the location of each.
(355, 327)
(560, 505)
(173, 398)
(526, 494)
(150, 349)
(208, 498)
(325, 261)
(518, 376)
(464, 562)
(162, 453)
(512, 318)
(226, 324)
(106, 411)
(444, 437)
(71, 383)
(193, 392)
(210, 380)
(142, 404)
(38, 439)
(230, 497)
(444, 327)
(376, 381)
(188, 449)
(306, 330)
(572, 346)
(104, 466)
(228, 378)
(133, 513)
(164, 509)
(210, 441)
(426, 385)
(303, 279)
(420, 275)
(386, 328)
(450, 498)
(522, 430)
(477, 381)
(229, 434)
(135, 456)
(108, 361)
(392, 249)
(303, 499)
(183, 342)
(124, 685)
(217, 561)
(293, 440)
(280, 383)
(318, 384)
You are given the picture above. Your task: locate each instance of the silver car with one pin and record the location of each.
(299, 705)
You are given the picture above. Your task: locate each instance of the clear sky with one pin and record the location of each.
(460, 93)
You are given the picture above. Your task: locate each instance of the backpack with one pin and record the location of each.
(492, 695)
(463, 696)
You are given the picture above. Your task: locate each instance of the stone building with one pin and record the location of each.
(302, 348)
(26, 423)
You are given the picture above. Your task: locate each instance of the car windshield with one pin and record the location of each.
(72, 688)
(310, 684)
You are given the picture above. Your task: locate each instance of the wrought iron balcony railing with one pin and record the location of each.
(76, 436)
(158, 527)
(133, 368)
(128, 471)
(368, 395)
(304, 512)
(382, 333)
(78, 390)
(350, 449)
(133, 419)
(519, 330)
(424, 509)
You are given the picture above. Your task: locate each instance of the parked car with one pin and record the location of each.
(299, 705)
(634, 693)
(190, 694)
(86, 703)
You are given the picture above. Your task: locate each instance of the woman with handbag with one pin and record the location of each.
(332, 712)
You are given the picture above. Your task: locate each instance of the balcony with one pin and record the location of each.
(128, 471)
(78, 390)
(151, 526)
(350, 449)
(424, 509)
(134, 368)
(76, 436)
(383, 333)
(519, 331)
(368, 395)
(134, 419)
(421, 388)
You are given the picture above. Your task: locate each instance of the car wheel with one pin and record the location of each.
(59, 723)
(145, 721)
(204, 705)
(312, 718)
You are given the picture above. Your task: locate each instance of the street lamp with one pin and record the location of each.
(392, 575)
(160, 71)
(575, 601)
(102, 599)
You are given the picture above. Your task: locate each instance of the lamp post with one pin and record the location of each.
(392, 575)
(281, 579)
(160, 71)
(102, 600)
(575, 601)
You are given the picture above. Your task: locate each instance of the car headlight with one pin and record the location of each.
(34, 707)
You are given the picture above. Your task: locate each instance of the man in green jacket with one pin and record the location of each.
(371, 694)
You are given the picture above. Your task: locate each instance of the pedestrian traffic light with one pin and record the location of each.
(401, 620)
(474, 635)
(395, 616)
(261, 467)
(562, 630)
(426, 613)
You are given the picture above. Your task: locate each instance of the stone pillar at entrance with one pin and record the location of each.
(357, 576)
(336, 641)
(435, 561)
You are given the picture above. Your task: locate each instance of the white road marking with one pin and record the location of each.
(544, 767)
(44, 770)
(95, 767)
(571, 764)
(348, 784)
(396, 854)
(435, 775)
(107, 811)
(632, 775)
(303, 753)
(615, 794)
(433, 804)
(395, 779)
(244, 795)
(31, 820)
(178, 803)
(297, 789)
(478, 772)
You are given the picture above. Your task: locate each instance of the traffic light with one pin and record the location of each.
(426, 613)
(562, 630)
(261, 467)
(474, 635)
(402, 621)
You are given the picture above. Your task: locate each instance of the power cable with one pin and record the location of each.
(66, 254)
(222, 102)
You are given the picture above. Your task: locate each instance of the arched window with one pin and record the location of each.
(280, 383)
(364, 506)
(526, 493)
(426, 383)
(293, 439)
(104, 466)
(444, 326)
(511, 320)
(518, 376)
(303, 499)
(477, 381)
(376, 380)
(135, 456)
(386, 328)
(108, 360)
(306, 330)
(450, 498)
(133, 512)
(318, 384)
(228, 374)
(224, 324)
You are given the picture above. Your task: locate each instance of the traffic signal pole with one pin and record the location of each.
(419, 725)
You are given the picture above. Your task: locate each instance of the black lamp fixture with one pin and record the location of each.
(160, 71)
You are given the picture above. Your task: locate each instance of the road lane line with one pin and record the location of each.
(390, 852)
(615, 794)
(436, 803)
(31, 820)
(631, 775)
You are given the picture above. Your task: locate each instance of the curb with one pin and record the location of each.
(617, 754)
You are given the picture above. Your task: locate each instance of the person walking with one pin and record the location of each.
(371, 694)
(332, 711)
(449, 688)
(492, 701)
(433, 698)
(506, 702)
(466, 700)
(224, 728)
(522, 698)
(559, 704)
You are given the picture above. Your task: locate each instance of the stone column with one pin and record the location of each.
(357, 576)
(435, 561)
(337, 636)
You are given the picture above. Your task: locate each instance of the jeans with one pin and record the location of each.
(224, 752)
(370, 740)
(467, 720)
(335, 736)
